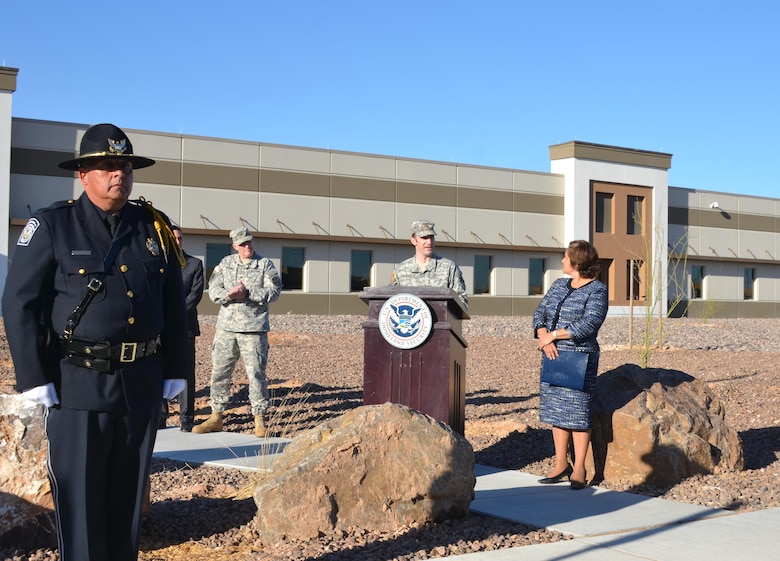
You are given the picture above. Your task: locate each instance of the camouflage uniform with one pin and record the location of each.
(242, 327)
(440, 271)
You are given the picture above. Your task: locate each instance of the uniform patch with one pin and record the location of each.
(28, 232)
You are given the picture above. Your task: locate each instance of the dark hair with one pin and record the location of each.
(175, 227)
(584, 258)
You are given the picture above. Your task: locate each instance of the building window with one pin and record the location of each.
(604, 213)
(535, 276)
(292, 268)
(215, 252)
(634, 276)
(483, 267)
(636, 216)
(604, 266)
(750, 284)
(697, 281)
(359, 270)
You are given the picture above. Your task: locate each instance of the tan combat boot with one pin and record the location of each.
(260, 428)
(212, 424)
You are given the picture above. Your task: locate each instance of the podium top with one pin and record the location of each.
(427, 293)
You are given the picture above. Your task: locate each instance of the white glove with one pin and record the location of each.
(172, 388)
(45, 395)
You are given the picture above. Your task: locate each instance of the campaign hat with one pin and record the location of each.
(106, 141)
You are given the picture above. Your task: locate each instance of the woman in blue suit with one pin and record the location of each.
(568, 320)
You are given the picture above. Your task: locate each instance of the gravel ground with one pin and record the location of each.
(197, 513)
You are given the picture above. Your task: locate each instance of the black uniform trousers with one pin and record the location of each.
(98, 465)
(187, 396)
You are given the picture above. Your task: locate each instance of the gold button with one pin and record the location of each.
(131, 321)
(82, 271)
(88, 363)
(129, 293)
(162, 270)
(123, 268)
(88, 351)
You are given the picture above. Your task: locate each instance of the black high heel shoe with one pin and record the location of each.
(576, 485)
(565, 474)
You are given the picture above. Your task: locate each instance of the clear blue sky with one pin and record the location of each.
(487, 83)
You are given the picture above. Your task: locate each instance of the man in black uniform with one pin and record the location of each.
(192, 277)
(96, 324)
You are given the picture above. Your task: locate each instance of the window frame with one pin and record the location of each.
(604, 214)
(212, 253)
(365, 279)
(287, 284)
(749, 292)
(541, 273)
(477, 272)
(697, 294)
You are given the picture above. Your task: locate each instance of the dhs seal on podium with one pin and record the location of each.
(405, 321)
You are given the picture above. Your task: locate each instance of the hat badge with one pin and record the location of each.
(117, 146)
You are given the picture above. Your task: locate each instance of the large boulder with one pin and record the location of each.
(24, 483)
(657, 427)
(377, 466)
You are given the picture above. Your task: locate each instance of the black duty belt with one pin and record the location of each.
(98, 355)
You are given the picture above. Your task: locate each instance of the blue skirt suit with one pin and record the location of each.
(582, 311)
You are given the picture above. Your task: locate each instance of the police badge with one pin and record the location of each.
(151, 245)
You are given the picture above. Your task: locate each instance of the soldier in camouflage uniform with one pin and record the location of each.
(243, 284)
(426, 268)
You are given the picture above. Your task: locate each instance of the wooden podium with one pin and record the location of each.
(431, 376)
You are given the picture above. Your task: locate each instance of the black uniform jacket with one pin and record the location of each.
(142, 297)
(192, 277)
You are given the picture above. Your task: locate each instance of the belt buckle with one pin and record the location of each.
(95, 284)
(128, 348)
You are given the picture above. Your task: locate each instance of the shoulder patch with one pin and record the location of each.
(28, 232)
(218, 268)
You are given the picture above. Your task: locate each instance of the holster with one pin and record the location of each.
(99, 364)
(87, 348)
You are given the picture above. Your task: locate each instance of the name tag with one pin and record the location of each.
(76, 252)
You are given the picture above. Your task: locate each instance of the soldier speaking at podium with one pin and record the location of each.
(426, 268)
(96, 324)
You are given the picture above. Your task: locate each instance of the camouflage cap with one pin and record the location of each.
(240, 235)
(423, 228)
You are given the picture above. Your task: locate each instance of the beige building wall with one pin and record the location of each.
(331, 202)
(725, 234)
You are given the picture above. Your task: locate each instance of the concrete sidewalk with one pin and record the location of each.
(606, 525)
(219, 449)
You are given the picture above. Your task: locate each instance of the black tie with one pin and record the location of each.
(112, 219)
